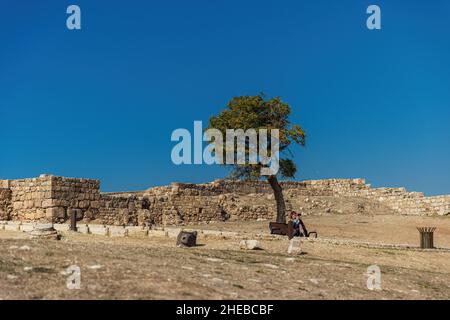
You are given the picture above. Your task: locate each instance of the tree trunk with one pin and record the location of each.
(279, 198)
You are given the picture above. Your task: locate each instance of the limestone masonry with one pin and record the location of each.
(53, 199)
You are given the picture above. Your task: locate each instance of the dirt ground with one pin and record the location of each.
(395, 229)
(154, 268)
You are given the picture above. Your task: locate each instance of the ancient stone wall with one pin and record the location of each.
(50, 198)
(120, 210)
(5, 203)
(311, 187)
(418, 204)
(403, 201)
(29, 198)
(71, 195)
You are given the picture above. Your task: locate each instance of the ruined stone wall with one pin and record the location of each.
(439, 205)
(120, 210)
(398, 199)
(29, 198)
(403, 201)
(412, 203)
(311, 187)
(175, 205)
(50, 198)
(5, 203)
(188, 209)
(81, 196)
(216, 201)
(327, 187)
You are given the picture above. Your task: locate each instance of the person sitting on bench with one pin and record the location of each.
(299, 226)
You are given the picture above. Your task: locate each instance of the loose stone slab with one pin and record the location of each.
(295, 246)
(250, 245)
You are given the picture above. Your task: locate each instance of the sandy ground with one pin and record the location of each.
(154, 268)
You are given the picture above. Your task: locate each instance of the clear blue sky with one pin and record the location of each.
(102, 102)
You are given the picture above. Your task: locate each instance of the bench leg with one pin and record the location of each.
(315, 234)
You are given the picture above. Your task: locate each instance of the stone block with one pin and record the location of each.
(295, 246)
(115, 231)
(27, 226)
(173, 232)
(213, 233)
(100, 230)
(157, 233)
(83, 204)
(47, 203)
(61, 227)
(55, 213)
(43, 226)
(133, 231)
(12, 226)
(250, 245)
(83, 228)
(187, 239)
(2, 225)
(17, 205)
(95, 204)
(28, 204)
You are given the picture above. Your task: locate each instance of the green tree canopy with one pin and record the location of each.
(255, 112)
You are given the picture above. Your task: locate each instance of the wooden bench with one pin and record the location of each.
(286, 229)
